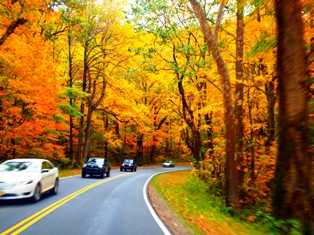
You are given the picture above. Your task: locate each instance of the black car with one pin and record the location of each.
(96, 166)
(128, 164)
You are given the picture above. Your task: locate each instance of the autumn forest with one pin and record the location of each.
(225, 85)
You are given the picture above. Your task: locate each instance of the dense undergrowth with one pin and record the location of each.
(192, 200)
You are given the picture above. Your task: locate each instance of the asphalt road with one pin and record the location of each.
(117, 205)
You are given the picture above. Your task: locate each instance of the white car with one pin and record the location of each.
(168, 164)
(27, 178)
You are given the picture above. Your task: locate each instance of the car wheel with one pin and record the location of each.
(108, 174)
(37, 194)
(135, 169)
(121, 169)
(132, 169)
(55, 188)
(83, 174)
(102, 174)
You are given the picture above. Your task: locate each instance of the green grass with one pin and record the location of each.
(190, 199)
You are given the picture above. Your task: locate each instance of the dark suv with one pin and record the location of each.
(96, 166)
(128, 164)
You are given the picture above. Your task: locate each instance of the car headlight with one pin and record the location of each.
(84, 166)
(26, 182)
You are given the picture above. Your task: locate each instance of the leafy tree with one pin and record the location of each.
(232, 177)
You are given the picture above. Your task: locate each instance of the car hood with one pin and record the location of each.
(17, 176)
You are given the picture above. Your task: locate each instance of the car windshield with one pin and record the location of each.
(97, 161)
(128, 161)
(18, 167)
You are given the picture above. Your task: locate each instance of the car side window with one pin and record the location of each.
(46, 166)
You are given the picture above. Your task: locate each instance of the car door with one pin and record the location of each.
(47, 176)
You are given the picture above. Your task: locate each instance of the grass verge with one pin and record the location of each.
(188, 197)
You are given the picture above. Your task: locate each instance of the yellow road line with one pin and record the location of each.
(24, 224)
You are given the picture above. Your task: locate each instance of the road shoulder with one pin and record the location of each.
(175, 224)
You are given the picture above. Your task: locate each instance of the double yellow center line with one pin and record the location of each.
(24, 224)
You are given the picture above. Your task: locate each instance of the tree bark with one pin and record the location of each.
(271, 101)
(82, 110)
(293, 190)
(139, 150)
(1, 109)
(188, 115)
(11, 29)
(239, 94)
(92, 104)
(106, 125)
(71, 100)
(209, 122)
(154, 146)
(232, 181)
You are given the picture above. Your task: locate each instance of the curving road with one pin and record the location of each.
(117, 205)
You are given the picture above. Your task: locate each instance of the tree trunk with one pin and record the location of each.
(232, 182)
(157, 127)
(92, 104)
(251, 140)
(87, 133)
(239, 94)
(270, 96)
(153, 151)
(106, 125)
(1, 109)
(293, 190)
(188, 115)
(271, 101)
(81, 125)
(209, 122)
(311, 58)
(11, 28)
(139, 151)
(71, 100)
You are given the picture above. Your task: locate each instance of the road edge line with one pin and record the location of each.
(151, 209)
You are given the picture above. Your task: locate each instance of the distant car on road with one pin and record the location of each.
(96, 166)
(128, 164)
(28, 178)
(169, 164)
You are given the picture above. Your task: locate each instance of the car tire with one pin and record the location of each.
(121, 169)
(102, 174)
(37, 194)
(83, 174)
(135, 169)
(55, 189)
(108, 173)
